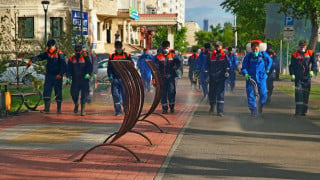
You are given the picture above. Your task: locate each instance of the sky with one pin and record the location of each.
(198, 10)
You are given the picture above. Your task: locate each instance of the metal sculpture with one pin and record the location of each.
(134, 99)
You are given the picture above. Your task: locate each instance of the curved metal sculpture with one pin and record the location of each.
(134, 99)
(157, 97)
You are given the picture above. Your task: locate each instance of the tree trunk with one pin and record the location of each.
(314, 31)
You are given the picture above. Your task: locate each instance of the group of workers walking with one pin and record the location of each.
(78, 70)
(215, 67)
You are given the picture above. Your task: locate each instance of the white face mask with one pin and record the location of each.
(303, 50)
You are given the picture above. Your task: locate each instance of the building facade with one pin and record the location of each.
(192, 28)
(102, 20)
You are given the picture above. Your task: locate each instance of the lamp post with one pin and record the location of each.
(81, 23)
(45, 5)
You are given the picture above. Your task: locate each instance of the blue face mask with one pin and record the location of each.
(165, 51)
(255, 54)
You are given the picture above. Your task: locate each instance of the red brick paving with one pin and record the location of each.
(103, 162)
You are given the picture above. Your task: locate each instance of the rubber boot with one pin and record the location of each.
(76, 107)
(46, 107)
(171, 108)
(83, 107)
(59, 108)
(164, 109)
(211, 110)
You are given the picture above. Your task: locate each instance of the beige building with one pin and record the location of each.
(192, 28)
(105, 18)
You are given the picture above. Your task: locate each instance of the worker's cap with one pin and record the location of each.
(302, 43)
(51, 42)
(78, 48)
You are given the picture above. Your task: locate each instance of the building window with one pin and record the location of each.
(56, 26)
(26, 27)
(98, 31)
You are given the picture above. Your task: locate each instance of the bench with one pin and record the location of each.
(22, 96)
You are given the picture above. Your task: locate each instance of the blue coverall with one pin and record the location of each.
(217, 65)
(167, 66)
(201, 66)
(301, 65)
(56, 65)
(233, 64)
(192, 61)
(78, 66)
(256, 68)
(117, 88)
(145, 71)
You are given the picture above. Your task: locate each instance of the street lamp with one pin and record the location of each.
(45, 5)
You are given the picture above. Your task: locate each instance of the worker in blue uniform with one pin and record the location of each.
(117, 88)
(254, 66)
(217, 66)
(201, 68)
(168, 63)
(80, 71)
(55, 69)
(192, 61)
(233, 64)
(145, 71)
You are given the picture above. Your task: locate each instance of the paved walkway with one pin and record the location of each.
(237, 146)
(38, 146)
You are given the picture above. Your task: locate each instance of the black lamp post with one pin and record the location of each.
(81, 22)
(45, 5)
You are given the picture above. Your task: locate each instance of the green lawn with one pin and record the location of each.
(314, 93)
(15, 102)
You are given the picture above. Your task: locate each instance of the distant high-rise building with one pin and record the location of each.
(206, 25)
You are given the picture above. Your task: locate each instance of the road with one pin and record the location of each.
(277, 145)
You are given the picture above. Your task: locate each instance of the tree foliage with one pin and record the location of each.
(180, 42)
(304, 9)
(216, 33)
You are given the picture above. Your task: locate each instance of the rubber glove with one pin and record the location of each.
(94, 76)
(247, 76)
(311, 74)
(110, 79)
(68, 81)
(87, 76)
(29, 64)
(293, 77)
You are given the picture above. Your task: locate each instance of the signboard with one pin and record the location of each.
(288, 21)
(76, 22)
(133, 13)
(288, 34)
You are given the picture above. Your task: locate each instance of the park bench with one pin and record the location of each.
(22, 96)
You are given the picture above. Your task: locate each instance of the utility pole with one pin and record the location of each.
(235, 33)
(81, 22)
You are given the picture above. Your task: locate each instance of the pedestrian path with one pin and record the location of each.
(277, 145)
(41, 146)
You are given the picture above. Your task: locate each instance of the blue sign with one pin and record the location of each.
(133, 13)
(288, 21)
(76, 22)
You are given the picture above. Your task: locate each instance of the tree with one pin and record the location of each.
(180, 42)
(160, 35)
(251, 17)
(304, 9)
